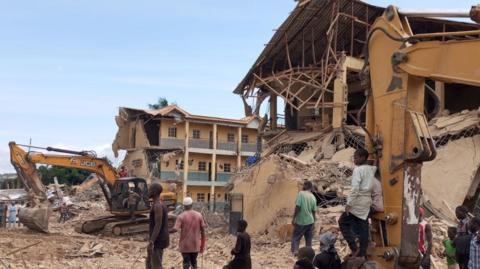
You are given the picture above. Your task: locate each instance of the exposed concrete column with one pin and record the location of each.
(185, 159)
(440, 91)
(340, 95)
(273, 111)
(340, 89)
(239, 148)
(214, 168)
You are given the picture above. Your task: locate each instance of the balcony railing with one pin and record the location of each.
(198, 176)
(225, 145)
(225, 177)
(171, 175)
(207, 144)
(249, 147)
(200, 143)
(193, 175)
(172, 142)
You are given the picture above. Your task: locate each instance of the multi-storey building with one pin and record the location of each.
(159, 144)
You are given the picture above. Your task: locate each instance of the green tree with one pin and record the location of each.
(161, 103)
(68, 176)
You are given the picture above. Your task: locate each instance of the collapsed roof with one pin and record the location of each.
(303, 38)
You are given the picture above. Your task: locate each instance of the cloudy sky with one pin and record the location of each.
(67, 65)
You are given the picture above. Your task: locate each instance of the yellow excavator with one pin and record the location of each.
(397, 62)
(116, 190)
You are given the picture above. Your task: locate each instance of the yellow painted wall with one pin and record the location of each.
(252, 135)
(222, 159)
(194, 190)
(223, 132)
(167, 123)
(203, 128)
(198, 157)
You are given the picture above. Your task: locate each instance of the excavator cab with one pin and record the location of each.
(132, 188)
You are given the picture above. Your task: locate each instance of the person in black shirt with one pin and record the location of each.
(158, 229)
(462, 243)
(328, 257)
(241, 251)
(305, 257)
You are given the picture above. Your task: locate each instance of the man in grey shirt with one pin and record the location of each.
(359, 202)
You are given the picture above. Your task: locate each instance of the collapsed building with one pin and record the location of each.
(313, 63)
(158, 144)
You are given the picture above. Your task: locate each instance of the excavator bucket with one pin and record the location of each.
(35, 218)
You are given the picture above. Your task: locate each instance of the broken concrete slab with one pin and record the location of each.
(446, 180)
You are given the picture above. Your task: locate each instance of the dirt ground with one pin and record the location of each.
(58, 250)
(65, 248)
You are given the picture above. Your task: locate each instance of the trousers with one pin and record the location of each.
(301, 231)
(190, 259)
(352, 227)
(154, 258)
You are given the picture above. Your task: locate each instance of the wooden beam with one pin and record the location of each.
(273, 111)
(440, 91)
(354, 64)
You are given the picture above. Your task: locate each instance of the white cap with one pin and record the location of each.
(187, 201)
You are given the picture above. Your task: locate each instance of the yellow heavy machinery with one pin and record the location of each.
(397, 64)
(115, 189)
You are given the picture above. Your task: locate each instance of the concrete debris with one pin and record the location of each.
(88, 250)
(269, 187)
(455, 123)
(65, 248)
(458, 162)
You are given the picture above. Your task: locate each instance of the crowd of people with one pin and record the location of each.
(191, 226)
(462, 246)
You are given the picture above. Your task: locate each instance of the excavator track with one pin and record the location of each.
(119, 226)
(127, 227)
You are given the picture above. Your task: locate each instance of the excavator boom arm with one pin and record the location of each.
(399, 62)
(96, 165)
(455, 61)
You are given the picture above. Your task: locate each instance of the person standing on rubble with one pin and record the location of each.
(191, 225)
(328, 257)
(158, 229)
(450, 250)
(304, 217)
(461, 212)
(241, 252)
(474, 244)
(425, 239)
(462, 244)
(123, 171)
(359, 202)
(12, 215)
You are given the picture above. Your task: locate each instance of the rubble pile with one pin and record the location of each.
(269, 187)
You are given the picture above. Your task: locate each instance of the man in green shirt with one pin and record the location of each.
(304, 216)
(450, 248)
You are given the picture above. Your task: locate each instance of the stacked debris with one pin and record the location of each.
(269, 188)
